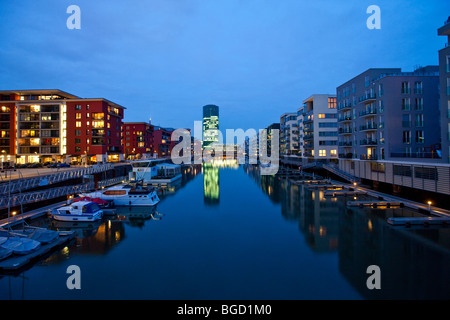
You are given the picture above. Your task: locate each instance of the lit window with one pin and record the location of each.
(78, 115)
(322, 153)
(321, 115)
(78, 124)
(333, 153)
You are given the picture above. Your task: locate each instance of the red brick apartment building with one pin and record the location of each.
(53, 125)
(137, 140)
(143, 140)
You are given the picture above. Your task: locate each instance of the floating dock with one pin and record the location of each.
(16, 262)
(375, 204)
(344, 193)
(422, 221)
(325, 187)
(313, 182)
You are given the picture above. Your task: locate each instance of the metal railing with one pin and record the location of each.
(21, 184)
(341, 173)
(30, 197)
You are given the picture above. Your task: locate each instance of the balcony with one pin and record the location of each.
(345, 119)
(368, 157)
(368, 98)
(345, 106)
(346, 156)
(368, 142)
(368, 113)
(416, 155)
(345, 131)
(308, 136)
(369, 127)
(345, 144)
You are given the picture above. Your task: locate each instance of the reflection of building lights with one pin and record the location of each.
(369, 225)
(322, 231)
(211, 187)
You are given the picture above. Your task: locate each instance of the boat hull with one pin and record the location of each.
(127, 200)
(78, 217)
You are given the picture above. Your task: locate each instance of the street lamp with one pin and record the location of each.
(429, 205)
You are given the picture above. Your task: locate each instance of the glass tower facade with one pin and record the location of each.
(210, 125)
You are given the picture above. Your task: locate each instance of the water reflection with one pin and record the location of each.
(211, 179)
(211, 184)
(414, 263)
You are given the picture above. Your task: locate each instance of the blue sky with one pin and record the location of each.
(255, 59)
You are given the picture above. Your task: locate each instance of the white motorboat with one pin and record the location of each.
(127, 195)
(81, 211)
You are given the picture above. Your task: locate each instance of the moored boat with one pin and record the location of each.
(127, 195)
(81, 211)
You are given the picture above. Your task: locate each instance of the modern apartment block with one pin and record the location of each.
(288, 134)
(389, 129)
(94, 129)
(53, 125)
(444, 75)
(137, 140)
(162, 141)
(265, 146)
(318, 136)
(386, 114)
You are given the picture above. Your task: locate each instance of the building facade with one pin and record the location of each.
(210, 126)
(162, 142)
(55, 126)
(94, 131)
(318, 137)
(444, 76)
(389, 129)
(288, 134)
(137, 140)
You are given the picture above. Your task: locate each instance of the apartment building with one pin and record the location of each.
(444, 79)
(389, 129)
(137, 140)
(288, 134)
(317, 123)
(386, 114)
(265, 145)
(53, 125)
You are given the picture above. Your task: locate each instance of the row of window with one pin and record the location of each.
(419, 135)
(405, 89)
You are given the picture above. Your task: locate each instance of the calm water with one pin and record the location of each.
(227, 233)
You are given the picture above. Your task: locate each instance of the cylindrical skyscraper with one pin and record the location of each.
(210, 125)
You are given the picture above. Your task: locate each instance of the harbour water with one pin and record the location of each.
(229, 233)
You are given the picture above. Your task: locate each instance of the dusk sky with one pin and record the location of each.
(166, 59)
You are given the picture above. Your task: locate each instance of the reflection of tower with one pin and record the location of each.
(210, 125)
(211, 186)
